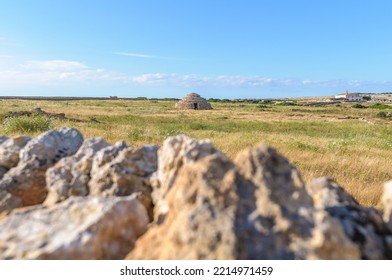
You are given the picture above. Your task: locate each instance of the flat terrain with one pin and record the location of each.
(352, 145)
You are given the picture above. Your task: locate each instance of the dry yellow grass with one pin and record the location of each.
(353, 146)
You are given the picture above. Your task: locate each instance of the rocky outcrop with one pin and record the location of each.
(281, 206)
(387, 202)
(175, 153)
(128, 173)
(78, 228)
(200, 215)
(100, 169)
(8, 202)
(185, 200)
(9, 152)
(27, 179)
(363, 226)
(39, 112)
(256, 207)
(71, 175)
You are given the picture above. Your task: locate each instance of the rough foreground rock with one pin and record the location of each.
(100, 169)
(363, 226)
(186, 200)
(256, 207)
(175, 153)
(79, 228)
(27, 179)
(9, 151)
(71, 174)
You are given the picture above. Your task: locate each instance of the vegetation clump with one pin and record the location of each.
(333, 140)
(380, 106)
(287, 103)
(358, 106)
(27, 124)
(382, 114)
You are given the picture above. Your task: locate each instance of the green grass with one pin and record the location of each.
(380, 106)
(27, 124)
(358, 106)
(351, 145)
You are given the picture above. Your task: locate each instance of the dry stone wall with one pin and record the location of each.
(66, 197)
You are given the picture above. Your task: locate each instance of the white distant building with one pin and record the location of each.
(382, 98)
(349, 96)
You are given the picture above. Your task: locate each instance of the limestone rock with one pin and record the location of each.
(70, 176)
(329, 241)
(282, 208)
(3, 138)
(78, 228)
(27, 179)
(8, 202)
(51, 146)
(128, 173)
(363, 226)
(326, 192)
(3, 170)
(218, 210)
(387, 203)
(205, 205)
(106, 155)
(199, 225)
(9, 151)
(116, 176)
(175, 152)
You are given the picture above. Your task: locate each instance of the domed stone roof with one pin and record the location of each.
(193, 101)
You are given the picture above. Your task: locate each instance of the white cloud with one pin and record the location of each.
(148, 56)
(53, 65)
(138, 55)
(54, 72)
(37, 73)
(215, 81)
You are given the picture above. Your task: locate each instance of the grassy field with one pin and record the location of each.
(352, 145)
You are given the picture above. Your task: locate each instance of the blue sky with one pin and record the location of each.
(222, 49)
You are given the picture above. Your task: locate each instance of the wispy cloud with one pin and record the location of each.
(42, 73)
(53, 65)
(148, 56)
(138, 55)
(54, 72)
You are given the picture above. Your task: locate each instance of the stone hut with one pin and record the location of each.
(193, 101)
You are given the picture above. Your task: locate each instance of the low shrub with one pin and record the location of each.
(381, 114)
(287, 103)
(380, 106)
(27, 124)
(358, 106)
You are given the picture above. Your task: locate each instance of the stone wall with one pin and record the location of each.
(66, 197)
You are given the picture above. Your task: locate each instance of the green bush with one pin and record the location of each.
(380, 106)
(27, 124)
(381, 114)
(287, 103)
(358, 106)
